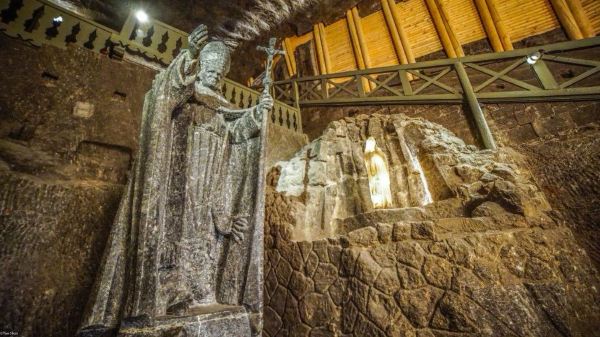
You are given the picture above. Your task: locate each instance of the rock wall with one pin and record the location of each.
(53, 235)
(446, 269)
(69, 124)
(330, 175)
(532, 129)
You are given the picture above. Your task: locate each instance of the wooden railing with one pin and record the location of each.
(282, 114)
(42, 22)
(564, 71)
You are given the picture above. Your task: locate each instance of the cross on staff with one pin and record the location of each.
(271, 52)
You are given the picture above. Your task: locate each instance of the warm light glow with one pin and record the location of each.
(141, 15)
(379, 179)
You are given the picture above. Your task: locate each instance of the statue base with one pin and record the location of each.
(208, 321)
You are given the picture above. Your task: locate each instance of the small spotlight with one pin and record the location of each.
(142, 16)
(534, 57)
(58, 19)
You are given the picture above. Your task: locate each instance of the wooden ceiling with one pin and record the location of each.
(401, 32)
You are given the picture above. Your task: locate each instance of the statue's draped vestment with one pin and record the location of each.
(198, 159)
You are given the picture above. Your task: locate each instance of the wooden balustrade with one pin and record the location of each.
(495, 77)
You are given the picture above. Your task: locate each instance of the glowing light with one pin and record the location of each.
(142, 16)
(534, 57)
(58, 19)
(379, 179)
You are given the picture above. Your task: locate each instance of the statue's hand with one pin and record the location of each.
(264, 106)
(197, 39)
(239, 228)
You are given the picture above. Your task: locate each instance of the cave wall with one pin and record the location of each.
(69, 124)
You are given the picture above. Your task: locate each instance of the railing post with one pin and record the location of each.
(324, 89)
(296, 92)
(360, 86)
(406, 87)
(482, 126)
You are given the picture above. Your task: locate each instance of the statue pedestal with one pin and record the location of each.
(209, 321)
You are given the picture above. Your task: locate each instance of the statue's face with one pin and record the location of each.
(211, 76)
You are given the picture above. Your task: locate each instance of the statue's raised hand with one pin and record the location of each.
(265, 105)
(197, 39)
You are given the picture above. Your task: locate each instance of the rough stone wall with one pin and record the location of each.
(560, 143)
(283, 144)
(547, 134)
(443, 278)
(41, 89)
(427, 167)
(428, 271)
(69, 122)
(567, 169)
(53, 234)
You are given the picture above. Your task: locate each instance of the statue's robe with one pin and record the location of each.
(195, 154)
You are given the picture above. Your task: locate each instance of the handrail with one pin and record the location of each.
(560, 46)
(437, 81)
(42, 22)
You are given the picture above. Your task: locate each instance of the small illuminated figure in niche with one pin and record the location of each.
(379, 179)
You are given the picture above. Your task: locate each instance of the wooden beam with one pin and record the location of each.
(500, 27)
(403, 37)
(446, 18)
(566, 19)
(441, 28)
(358, 57)
(292, 51)
(361, 38)
(488, 25)
(288, 57)
(319, 48)
(391, 24)
(325, 47)
(581, 18)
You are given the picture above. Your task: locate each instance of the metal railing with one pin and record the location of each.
(42, 22)
(564, 71)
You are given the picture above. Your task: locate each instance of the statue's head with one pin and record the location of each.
(370, 145)
(215, 60)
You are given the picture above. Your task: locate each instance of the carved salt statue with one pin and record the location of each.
(184, 256)
(379, 178)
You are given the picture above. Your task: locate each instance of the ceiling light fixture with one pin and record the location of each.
(534, 57)
(141, 16)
